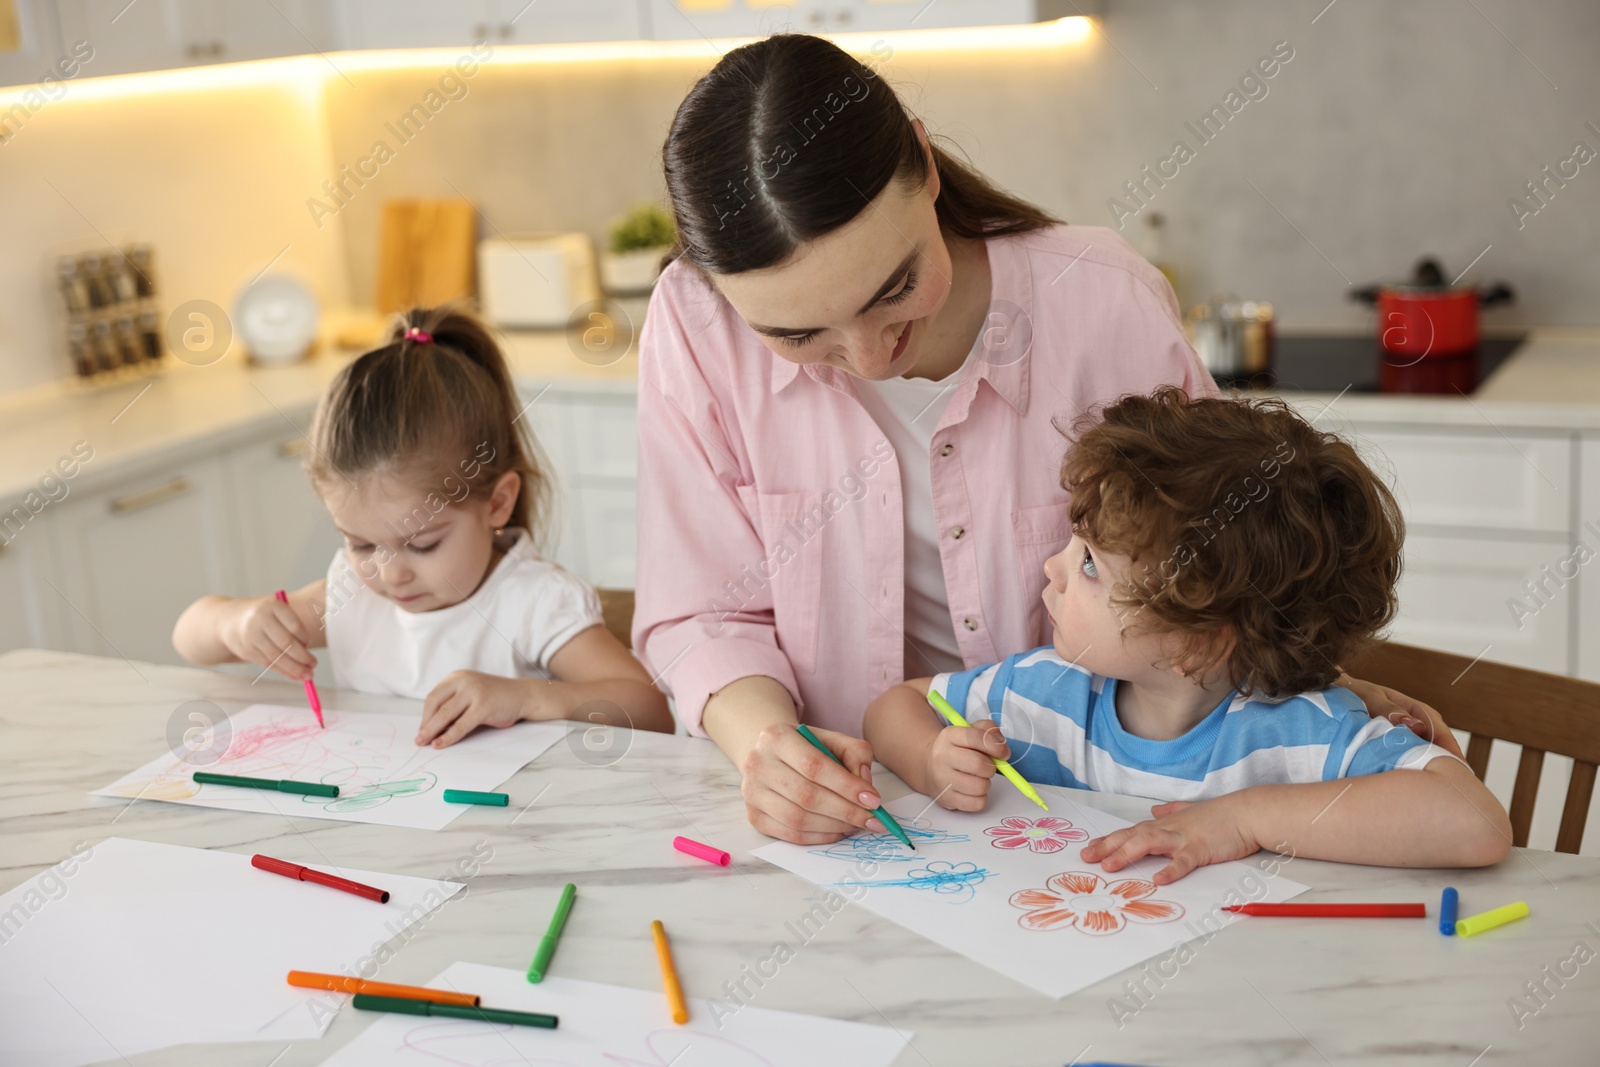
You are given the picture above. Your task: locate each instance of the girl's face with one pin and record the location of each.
(414, 546)
(1087, 628)
(859, 298)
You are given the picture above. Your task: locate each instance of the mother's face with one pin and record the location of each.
(859, 298)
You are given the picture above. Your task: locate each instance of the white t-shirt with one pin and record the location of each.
(525, 610)
(907, 410)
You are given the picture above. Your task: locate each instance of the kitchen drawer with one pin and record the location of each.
(1457, 595)
(605, 438)
(1484, 481)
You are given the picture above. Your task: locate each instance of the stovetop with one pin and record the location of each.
(1319, 364)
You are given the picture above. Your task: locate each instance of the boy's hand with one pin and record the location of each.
(466, 700)
(1193, 835)
(266, 631)
(960, 766)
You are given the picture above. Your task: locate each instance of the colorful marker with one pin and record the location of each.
(282, 785)
(705, 852)
(344, 983)
(1448, 904)
(311, 687)
(1334, 911)
(669, 974)
(881, 812)
(467, 796)
(363, 1002)
(306, 874)
(1488, 920)
(552, 934)
(954, 718)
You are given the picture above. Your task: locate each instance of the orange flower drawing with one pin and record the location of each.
(1085, 900)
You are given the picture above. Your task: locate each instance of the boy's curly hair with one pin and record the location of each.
(1261, 540)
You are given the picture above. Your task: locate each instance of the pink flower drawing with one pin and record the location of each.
(1048, 834)
(1085, 900)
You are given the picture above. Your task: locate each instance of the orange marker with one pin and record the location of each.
(669, 974)
(340, 983)
(311, 687)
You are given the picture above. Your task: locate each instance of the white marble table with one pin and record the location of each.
(1262, 992)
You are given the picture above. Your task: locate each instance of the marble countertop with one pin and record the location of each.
(1262, 992)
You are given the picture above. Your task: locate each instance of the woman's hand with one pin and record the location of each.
(267, 631)
(1419, 718)
(961, 764)
(795, 793)
(1192, 835)
(466, 700)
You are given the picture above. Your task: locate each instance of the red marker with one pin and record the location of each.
(306, 874)
(311, 687)
(1334, 911)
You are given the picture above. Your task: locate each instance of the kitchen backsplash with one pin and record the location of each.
(1293, 149)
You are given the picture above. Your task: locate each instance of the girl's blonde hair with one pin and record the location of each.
(434, 400)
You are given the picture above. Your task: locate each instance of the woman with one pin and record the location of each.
(849, 381)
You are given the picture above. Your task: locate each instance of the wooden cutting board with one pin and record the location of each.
(426, 253)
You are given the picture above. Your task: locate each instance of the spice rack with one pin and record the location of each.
(113, 325)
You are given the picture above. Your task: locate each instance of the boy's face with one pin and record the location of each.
(1086, 626)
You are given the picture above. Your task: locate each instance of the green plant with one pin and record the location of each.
(647, 225)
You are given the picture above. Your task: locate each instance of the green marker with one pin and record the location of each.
(368, 1002)
(552, 934)
(282, 785)
(881, 812)
(467, 796)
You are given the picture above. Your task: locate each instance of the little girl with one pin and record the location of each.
(439, 593)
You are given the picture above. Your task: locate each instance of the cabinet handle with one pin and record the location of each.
(294, 446)
(122, 505)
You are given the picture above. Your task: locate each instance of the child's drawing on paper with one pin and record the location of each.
(1048, 834)
(1085, 901)
(886, 848)
(954, 880)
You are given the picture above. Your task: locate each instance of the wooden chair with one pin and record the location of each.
(616, 605)
(1541, 712)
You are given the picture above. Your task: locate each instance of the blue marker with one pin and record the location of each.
(1447, 913)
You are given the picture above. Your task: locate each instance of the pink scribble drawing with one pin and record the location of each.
(1084, 900)
(1048, 834)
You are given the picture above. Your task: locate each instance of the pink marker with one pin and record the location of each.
(705, 852)
(311, 687)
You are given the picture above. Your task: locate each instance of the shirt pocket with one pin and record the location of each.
(1040, 532)
(791, 527)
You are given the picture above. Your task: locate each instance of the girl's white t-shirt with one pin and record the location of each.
(512, 624)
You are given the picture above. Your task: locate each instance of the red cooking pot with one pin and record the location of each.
(1429, 319)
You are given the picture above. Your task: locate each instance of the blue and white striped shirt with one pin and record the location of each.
(1061, 723)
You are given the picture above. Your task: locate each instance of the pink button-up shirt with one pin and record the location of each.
(771, 532)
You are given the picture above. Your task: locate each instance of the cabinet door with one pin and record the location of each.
(148, 35)
(1588, 641)
(414, 23)
(557, 21)
(234, 30)
(611, 530)
(28, 620)
(1463, 594)
(29, 48)
(286, 538)
(134, 557)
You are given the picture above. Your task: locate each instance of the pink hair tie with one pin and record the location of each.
(419, 335)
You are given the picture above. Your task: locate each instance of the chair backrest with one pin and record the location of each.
(616, 605)
(1541, 712)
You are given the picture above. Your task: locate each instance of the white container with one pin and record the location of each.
(536, 282)
(630, 273)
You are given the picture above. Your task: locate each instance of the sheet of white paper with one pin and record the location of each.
(1006, 888)
(607, 1024)
(382, 776)
(134, 945)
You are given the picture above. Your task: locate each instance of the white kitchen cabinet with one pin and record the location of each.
(429, 24)
(688, 19)
(1456, 594)
(286, 538)
(611, 531)
(130, 559)
(38, 48)
(1588, 535)
(163, 34)
(30, 619)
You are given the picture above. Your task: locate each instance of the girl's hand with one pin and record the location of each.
(1193, 835)
(466, 700)
(795, 793)
(266, 631)
(960, 767)
(1401, 710)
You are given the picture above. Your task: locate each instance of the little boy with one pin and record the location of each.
(1226, 556)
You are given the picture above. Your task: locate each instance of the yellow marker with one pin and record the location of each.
(1477, 924)
(953, 717)
(669, 974)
